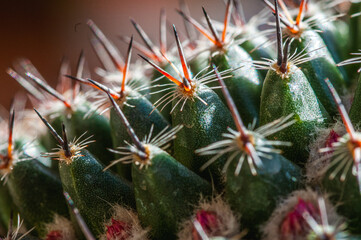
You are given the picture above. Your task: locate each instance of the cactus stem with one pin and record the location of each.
(112, 51)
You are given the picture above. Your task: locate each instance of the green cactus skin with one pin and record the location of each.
(141, 118)
(346, 196)
(37, 193)
(335, 35)
(166, 193)
(255, 197)
(355, 27)
(245, 86)
(161, 82)
(317, 70)
(28, 237)
(355, 113)
(98, 127)
(93, 190)
(292, 95)
(203, 125)
(93, 125)
(355, 36)
(199, 62)
(6, 206)
(251, 46)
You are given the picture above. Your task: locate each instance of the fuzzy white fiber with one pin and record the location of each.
(271, 230)
(130, 217)
(317, 161)
(62, 225)
(228, 226)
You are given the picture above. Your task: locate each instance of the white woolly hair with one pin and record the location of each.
(271, 230)
(128, 216)
(61, 225)
(229, 224)
(317, 161)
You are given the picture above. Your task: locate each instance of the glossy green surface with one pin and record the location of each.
(138, 111)
(37, 193)
(245, 86)
(94, 125)
(355, 111)
(6, 206)
(94, 191)
(320, 68)
(252, 47)
(292, 95)
(166, 193)
(355, 37)
(335, 35)
(202, 125)
(255, 197)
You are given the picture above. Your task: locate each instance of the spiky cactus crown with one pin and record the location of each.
(221, 136)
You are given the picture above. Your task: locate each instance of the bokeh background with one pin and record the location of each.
(46, 31)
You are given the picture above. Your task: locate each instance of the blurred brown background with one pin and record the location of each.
(45, 31)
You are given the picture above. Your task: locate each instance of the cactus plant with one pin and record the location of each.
(208, 138)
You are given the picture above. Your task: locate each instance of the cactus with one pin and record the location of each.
(207, 137)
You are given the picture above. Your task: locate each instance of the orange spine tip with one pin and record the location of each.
(48, 89)
(199, 27)
(11, 130)
(301, 12)
(226, 19)
(127, 63)
(167, 75)
(211, 27)
(109, 47)
(181, 56)
(103, 88)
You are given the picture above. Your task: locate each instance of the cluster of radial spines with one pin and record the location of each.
(212, 36)
(294, 26)
(68, 150)
(140, 148)
(246, 145)
(347, 150)
(44, 96)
